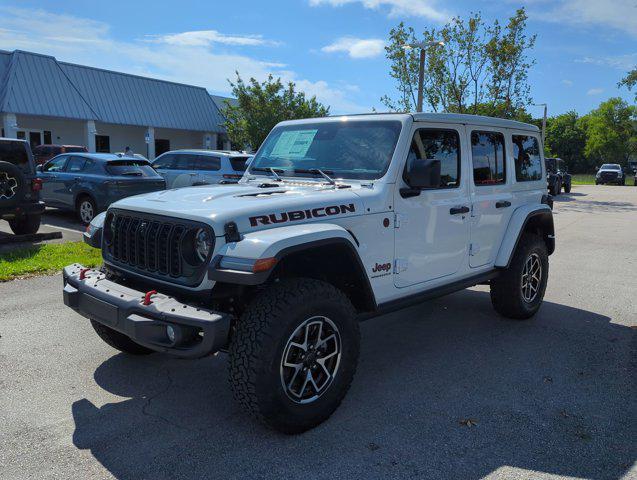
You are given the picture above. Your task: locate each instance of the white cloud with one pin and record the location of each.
(357, 47)
(568, 83)
(595, 91)
(620, 62)
(196, 60)
(200, 38)
(617, 14)
(397, 8)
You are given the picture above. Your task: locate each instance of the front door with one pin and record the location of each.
(432, 228)
(492, 198)
(53, 187)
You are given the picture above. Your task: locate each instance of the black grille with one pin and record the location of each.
(151, 244)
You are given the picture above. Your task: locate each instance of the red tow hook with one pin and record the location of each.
(147, 301)
(83, 273)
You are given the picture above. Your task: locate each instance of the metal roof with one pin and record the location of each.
(223, 102)
(35, 84)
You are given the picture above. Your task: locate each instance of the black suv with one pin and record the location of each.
(20, 189)
(557, 176)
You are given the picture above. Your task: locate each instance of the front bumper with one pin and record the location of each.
(198, 331)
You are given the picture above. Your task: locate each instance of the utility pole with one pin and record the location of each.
(421, 69)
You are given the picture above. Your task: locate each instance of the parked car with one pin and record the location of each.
(337, 219)
(20, 203)
(44, 153)
(557, 176)
(183, 168)
(610, 173)
(88, 183)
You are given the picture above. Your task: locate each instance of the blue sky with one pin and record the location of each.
(331, 48)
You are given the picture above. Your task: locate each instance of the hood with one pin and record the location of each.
(248, 205)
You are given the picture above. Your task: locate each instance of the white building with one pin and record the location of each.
(50, 102)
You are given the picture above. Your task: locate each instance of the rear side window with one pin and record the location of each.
(238, 163)
(15, 153)
(76, 164)
(133, 168)
(441, 145)
(489, 161)
(526, 154)
(206, 163)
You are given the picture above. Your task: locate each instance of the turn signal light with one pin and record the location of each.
(263, 264)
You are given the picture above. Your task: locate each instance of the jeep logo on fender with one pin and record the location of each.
(283, 217)
(383, 267)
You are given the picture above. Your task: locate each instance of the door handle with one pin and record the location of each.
(459, 210)
(502, 204)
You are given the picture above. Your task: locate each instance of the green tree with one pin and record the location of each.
(566, 139)
(260, 106)
(610, 132)
(630, 81)
(481, 69)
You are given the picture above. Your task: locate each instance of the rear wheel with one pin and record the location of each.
(519, 290)
(119, 341)
(293, 354)
(86, 209)
(567, 188)
(25, 225)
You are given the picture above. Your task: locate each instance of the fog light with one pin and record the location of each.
(170, 333)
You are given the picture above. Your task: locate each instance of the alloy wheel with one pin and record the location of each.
(310, 359)
(8, 186)
(531, 277)
(86, 211)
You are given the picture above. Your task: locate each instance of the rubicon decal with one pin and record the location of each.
(295, 215)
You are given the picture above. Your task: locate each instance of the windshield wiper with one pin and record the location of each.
(316, 171)
(274, 171)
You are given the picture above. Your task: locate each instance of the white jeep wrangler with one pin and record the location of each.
(335, 220)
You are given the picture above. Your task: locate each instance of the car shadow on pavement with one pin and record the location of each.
(445, 389)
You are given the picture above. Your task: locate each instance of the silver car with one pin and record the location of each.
(184, 168)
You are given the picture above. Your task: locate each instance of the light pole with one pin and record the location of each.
(543, 120)
(421, 70)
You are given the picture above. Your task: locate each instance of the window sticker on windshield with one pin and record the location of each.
(293, 144)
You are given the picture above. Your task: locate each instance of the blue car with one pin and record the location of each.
(88, 183)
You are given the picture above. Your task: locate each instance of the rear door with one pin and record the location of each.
(432, 228)
(53, 182)
(208, 169)
(492, 200)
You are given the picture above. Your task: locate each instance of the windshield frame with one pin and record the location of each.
(289, 174)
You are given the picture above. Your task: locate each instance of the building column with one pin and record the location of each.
(210, 141)
(10, 125)
(150, 143)
(90, 131)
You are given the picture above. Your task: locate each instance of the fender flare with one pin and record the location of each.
(521, 217)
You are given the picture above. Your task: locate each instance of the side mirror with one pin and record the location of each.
(421, 175)
(38, 168)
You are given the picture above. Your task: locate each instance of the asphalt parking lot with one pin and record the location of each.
(53, 220)
(553, 397)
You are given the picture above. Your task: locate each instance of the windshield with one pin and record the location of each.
(341, 149)
(136, 168)
(611, 166)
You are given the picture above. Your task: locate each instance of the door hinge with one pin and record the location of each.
(474, 248)
(400, 265)
(399, 220)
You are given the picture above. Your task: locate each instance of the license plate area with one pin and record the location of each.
(99, 310)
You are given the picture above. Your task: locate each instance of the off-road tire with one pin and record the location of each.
(567, 188)
(119, 341)
(79, 206)
(259, 341)
(25, 225)
(506, 290)
(553, 190)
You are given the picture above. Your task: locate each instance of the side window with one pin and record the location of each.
(56, 165)
(489, 162)
(526, 154)
(183, 161)
(165, 162)
(76, 164)
(206, 163)
(441, 145)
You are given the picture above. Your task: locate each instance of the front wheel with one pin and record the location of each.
(25, 225)
(293, 354)
(519, 290)
(567, 188)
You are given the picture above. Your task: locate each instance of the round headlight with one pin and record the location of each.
(203, 244)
